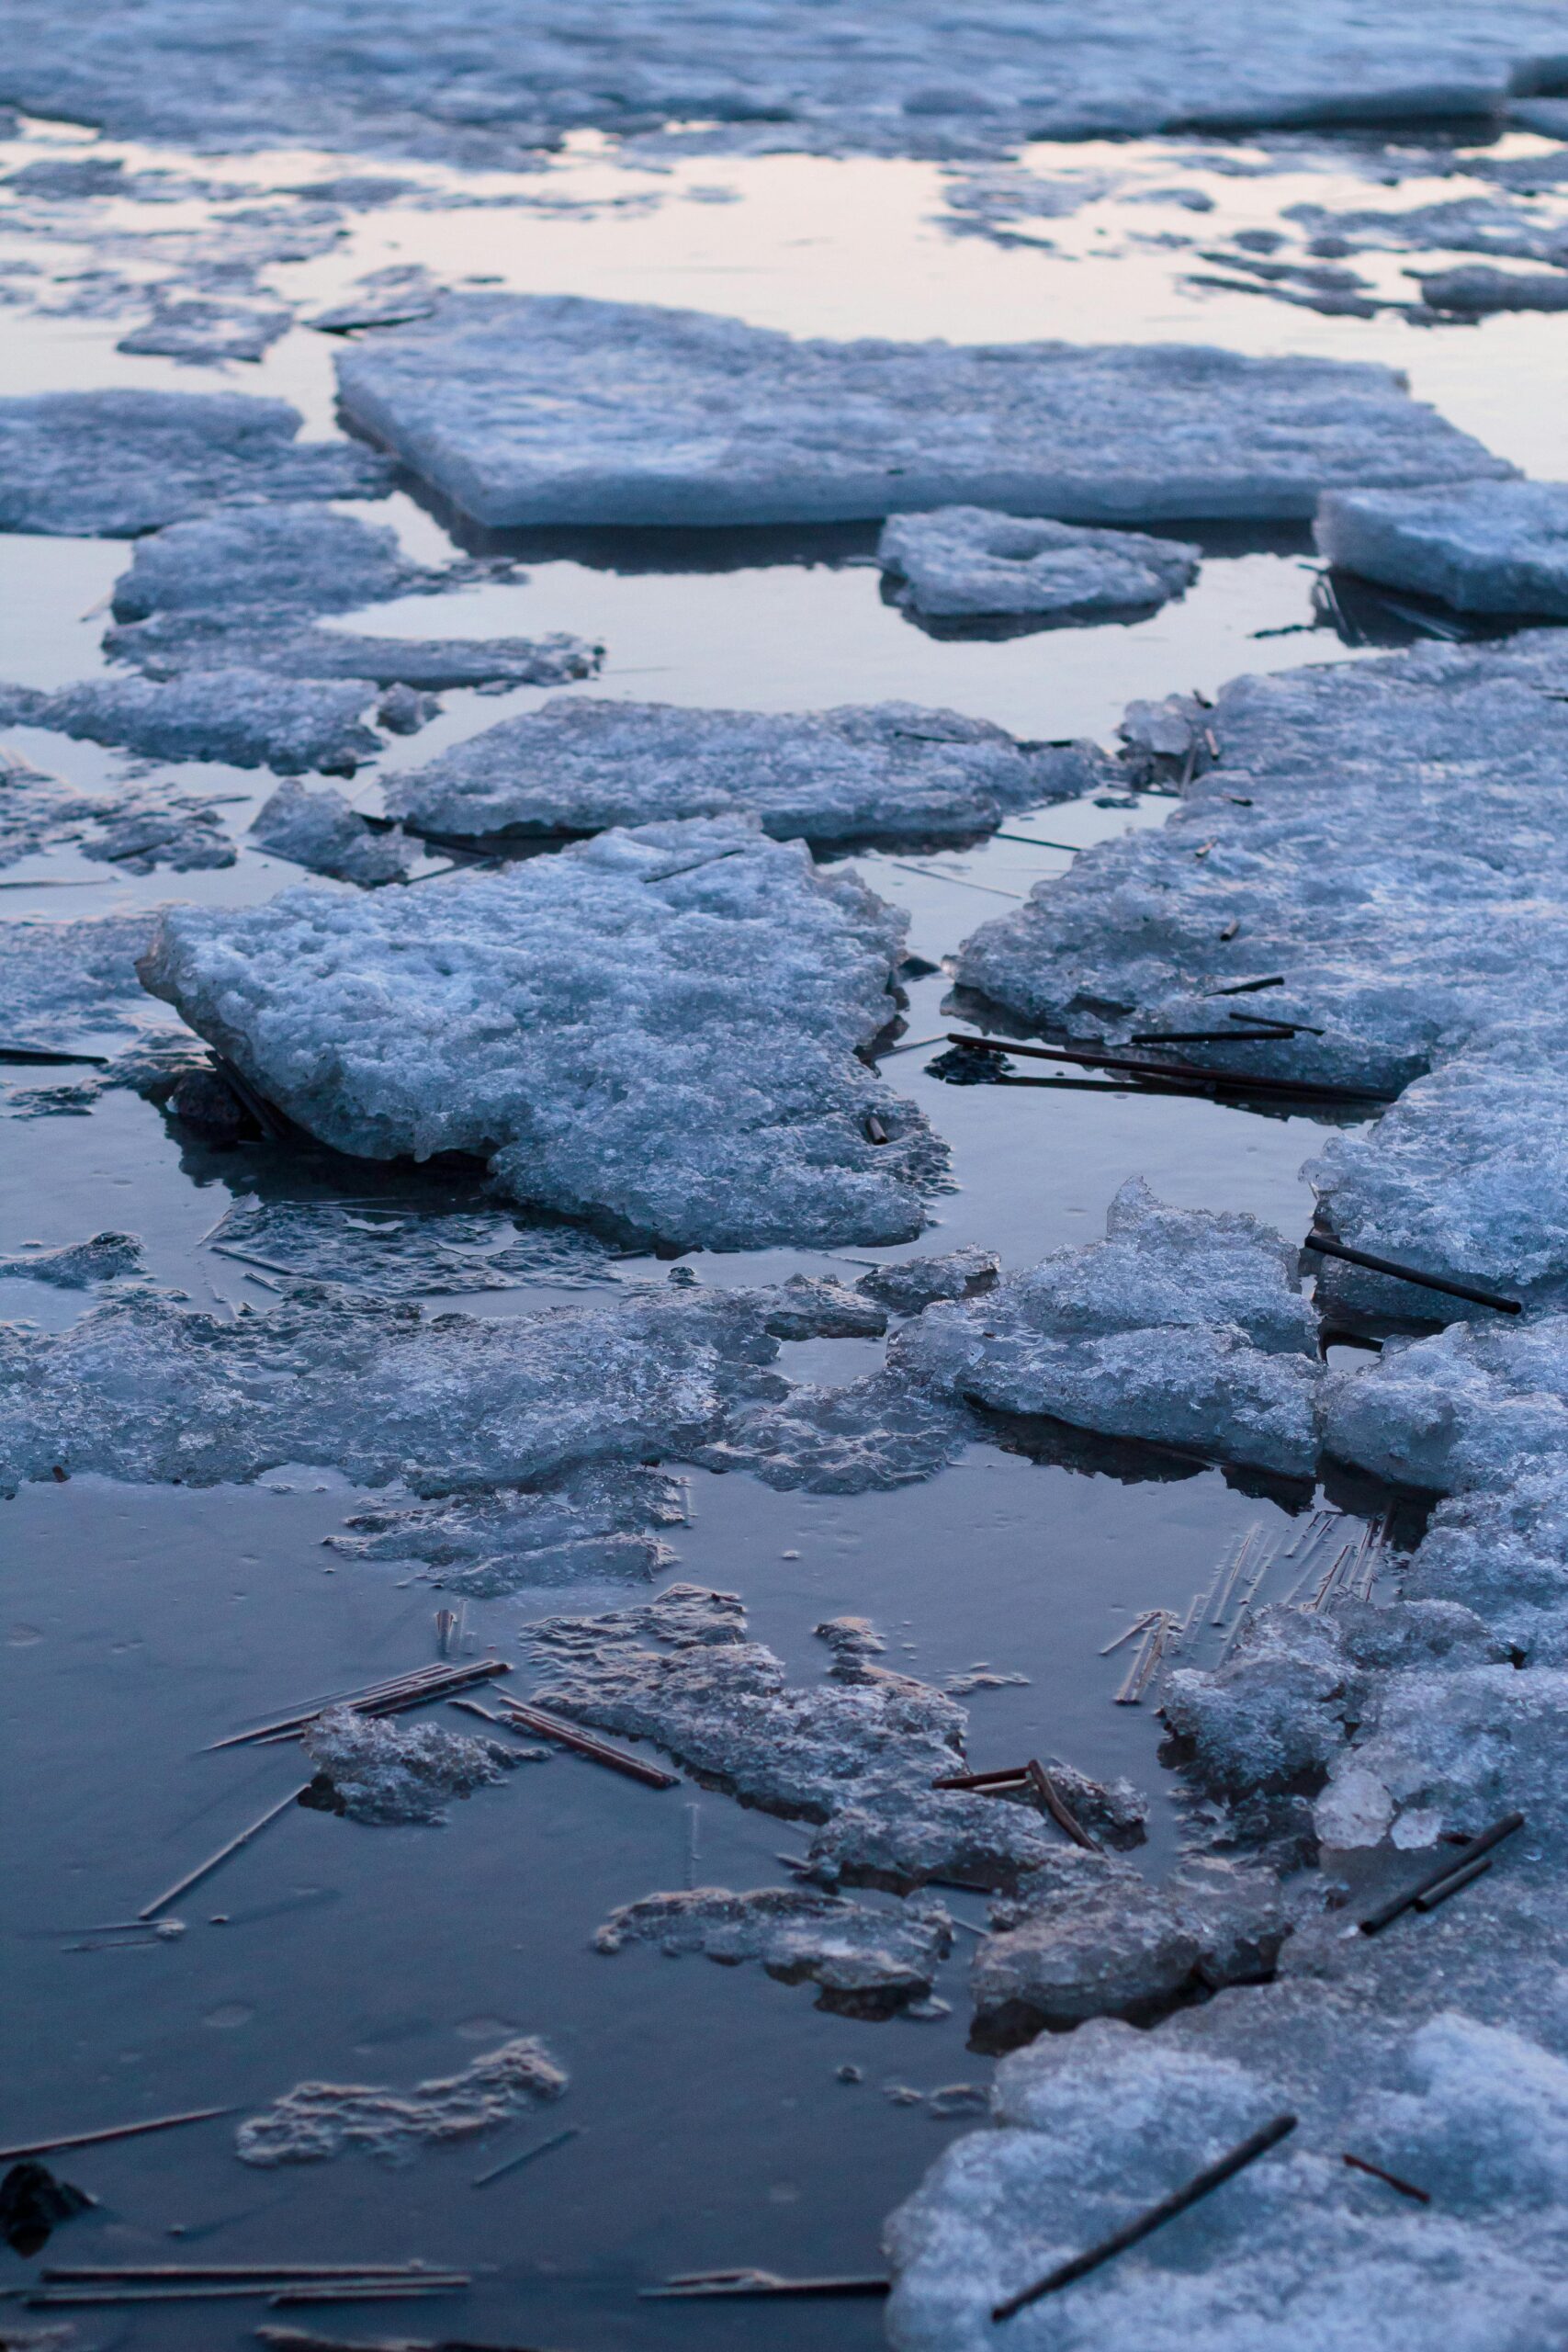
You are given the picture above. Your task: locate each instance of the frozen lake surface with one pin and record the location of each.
(717, 2122)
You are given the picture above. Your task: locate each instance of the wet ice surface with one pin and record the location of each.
(1503, 551)
(145, 1621)
(965, 561)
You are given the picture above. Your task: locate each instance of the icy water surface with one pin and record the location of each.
(141, 1624)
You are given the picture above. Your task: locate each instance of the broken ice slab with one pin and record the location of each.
(319, 2121)
(597, 1520)
(540, 409)
(867, 1960)
(578, 766)
(399, 1247)
(293, 556)
(245, 716)
(320, 830)
(1498, 549)
(971, 562)
(112, 464)
(169, 645)
(703, 1084)
(1096, 2126)
(1187, 1328)
(396, 1773)
(906, 1285)
(205, 332)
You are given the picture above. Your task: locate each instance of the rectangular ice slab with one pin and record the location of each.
(577, 765)
(1482, 548)
(658, 1026)
(538, 409)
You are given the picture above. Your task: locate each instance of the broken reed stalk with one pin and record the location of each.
(1060, 1812)
(1189, 1073)
(1249, 987)
(110, 2131)
(1008, 1777)
(1138, 1625)
(1460, 1879)
(1070, 848)
(703, 2285)
(516, 2164)
(1275, 1035)
(85, 2274)
(45, 1056)
(1127, 1696)
(600, 1750)
(204, 1869)
(1458, 1864)
(272, 1123)
(1212, 2177)
(1477, 1297)
(1231, 1572)
(368, 2289)
(1406, 2188)
(374, 1698)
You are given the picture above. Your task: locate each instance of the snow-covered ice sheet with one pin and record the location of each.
(1482, 548)
(245, 716)
(111, 464)
(702, 1085)
(867, 1960)
(474, 85)
(538, 409)
(966, 561)
(318, 2120)
(578, 766)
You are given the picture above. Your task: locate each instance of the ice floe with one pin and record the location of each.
(536, 409)
(597, 1520)
(1502, 548)
(906, 1286)
(965, 561)
(702, 1085)
(291, 557)
(113, 463)
(62, 979)
(320, 829)
(578, 766)
(319, 2121)
(169, 645)
(397, 1774)
(867, 1960)
(245, 716)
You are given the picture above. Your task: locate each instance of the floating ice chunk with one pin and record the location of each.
(880, 1431)
(294, 557)
(968, 560)
(320, 830)
(1477, 289)
(1503, 1553)
(240, 716)
(536, 409)
(1464, 1746)
(146, 1389)
(323, 2120)
(169, 644)
(1355, 1809)
(857, 1758)
(867, 1961)
(400, 1250)
(1473, 1406)
(1486, 224)
(1183, 1327)
(1110, 1945)
(1500, 549)
(395, 1773)
(981, 202)
(207, 332)
(81, 1265)
(701, 1084)
(593, 1522)
(112, 464)
(578, 766)
(907, 1284)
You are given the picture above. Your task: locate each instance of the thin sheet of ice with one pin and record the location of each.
(394, 1250)
(968, 560)
(596, 1521)
(246, 718)
(701, 1085)
(1501, 547)
(578, 766)
(136, 829)
(318, 2120)
(476, 85)
(112, 464)
(80, 1265)
(171, 645)
(538, 409)
(60, 981)
(1476, 290)
(865, 1959)
(1481, 224)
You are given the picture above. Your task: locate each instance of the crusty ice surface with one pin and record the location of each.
(861, 1955)
(966, 561)
(80, 1265)
(63, 981)
(1502, 548)
(906, 1286)
(246, 716)
(701, 1083)
(535, 409)
(577, 765)
(322, 2119)
(320, 830)
(397, 1774)
(1384, 838)
(113, 463)
(397, 1249)
(475, 85)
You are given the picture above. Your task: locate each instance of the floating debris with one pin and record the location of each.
(109, 2131)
